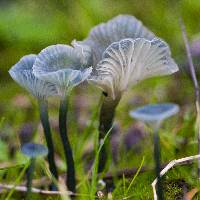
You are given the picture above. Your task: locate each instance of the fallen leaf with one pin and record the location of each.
(189, 195)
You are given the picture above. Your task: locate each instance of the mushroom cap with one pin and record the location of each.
(127, 62)
(84, 51)
(118, 28)
(25, 63)
(33, 150)
(155, 112)
(61, 65)
(22, 73)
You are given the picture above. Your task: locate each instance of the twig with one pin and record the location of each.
(33, 190)
(195, 82)
(168, 167)
(39, 191)
(109, 176)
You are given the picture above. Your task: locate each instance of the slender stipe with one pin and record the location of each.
(157, 156)
(70, 178)
(195, 83)
(30, 178)
(107, 113)
(44, 117)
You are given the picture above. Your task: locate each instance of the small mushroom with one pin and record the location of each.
(63, 66)
(124, 53)
(124, 64)
(154, 115)
(33, 151)
(66, 67)
(22, 73)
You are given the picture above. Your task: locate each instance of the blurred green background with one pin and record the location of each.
(27, 26)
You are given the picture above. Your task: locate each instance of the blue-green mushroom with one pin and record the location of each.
(154, 115)
(65, 67)
(22, 73)
(33, 151)
(124, 53)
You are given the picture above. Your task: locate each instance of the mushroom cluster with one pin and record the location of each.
(124, 53)
(115, 56)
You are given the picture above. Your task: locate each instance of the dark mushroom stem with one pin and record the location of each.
(30, 177)
(43, 107)
(107, 113)
(157, 156)
(70, 178)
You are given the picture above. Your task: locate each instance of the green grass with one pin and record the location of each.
(178, 139)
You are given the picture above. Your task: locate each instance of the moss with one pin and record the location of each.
(175, 189)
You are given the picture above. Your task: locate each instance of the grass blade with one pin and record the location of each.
(96, 163)
(138, 171)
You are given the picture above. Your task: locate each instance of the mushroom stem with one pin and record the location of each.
(70, 178)
(157, 163)
(43, 107)
(107, 113)
(195, 83)
(30, 177)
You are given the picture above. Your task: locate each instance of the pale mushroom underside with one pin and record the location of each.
(61, 65)
(22, 73)
(129, 61)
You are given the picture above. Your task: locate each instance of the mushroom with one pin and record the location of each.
(22, 73)
(154, 115)
(124, 52)
(127, 62)
(66, 67)
(33, 151)
(63, 66)
(116, 29)
(124, 64)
